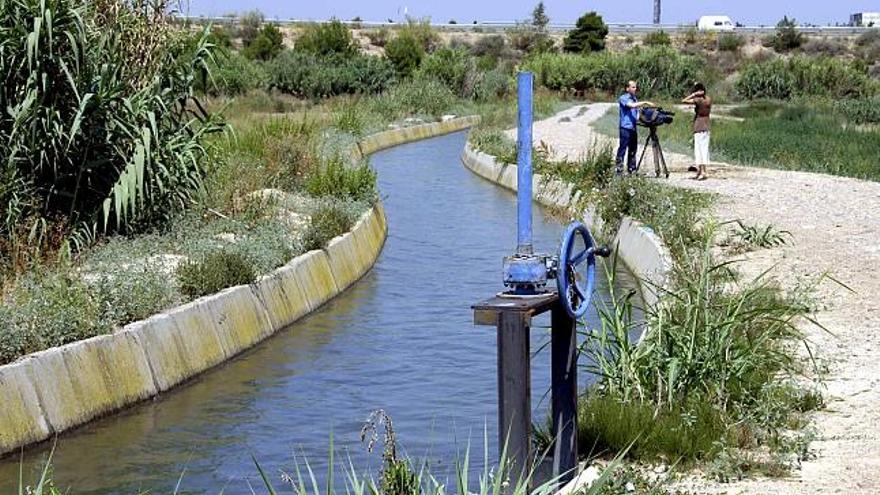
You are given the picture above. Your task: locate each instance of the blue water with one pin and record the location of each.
(402, 340)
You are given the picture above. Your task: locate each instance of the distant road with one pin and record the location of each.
(615, 28)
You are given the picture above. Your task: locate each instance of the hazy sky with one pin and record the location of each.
(750, 12)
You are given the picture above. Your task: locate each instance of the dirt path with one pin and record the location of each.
(835, 223)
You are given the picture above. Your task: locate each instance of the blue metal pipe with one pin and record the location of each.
(524, 164)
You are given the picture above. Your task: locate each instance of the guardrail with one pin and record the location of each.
(614, 28)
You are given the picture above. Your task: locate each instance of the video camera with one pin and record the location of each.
(655, 117)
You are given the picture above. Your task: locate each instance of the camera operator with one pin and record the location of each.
(629, 114)
(702, 108)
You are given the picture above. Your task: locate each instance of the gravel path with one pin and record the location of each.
(835, 223)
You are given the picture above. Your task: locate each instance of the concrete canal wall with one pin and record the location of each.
(48, 392)
(637, 245)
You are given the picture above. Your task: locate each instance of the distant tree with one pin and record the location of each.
(787, 36)
(405, 53)
(452, 21)
(540, 20)
(588, 34)
(249, 26)
(357, 22)
(331, 38)
(267, 45)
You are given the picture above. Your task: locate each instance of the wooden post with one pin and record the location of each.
(514, 392)
(564, 392)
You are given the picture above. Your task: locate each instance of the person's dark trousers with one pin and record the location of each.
(629, 143)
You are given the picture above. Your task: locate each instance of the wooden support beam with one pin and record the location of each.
(514, 392)
(563, 350)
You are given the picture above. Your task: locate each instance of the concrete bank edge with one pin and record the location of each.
(52, 391)
(637, 245)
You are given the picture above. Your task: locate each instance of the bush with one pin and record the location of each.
(455, 68)
(267, 45)
(730, 42)
(249, 26)
(378, 37)
(787, 36)
(860, 111)
(232, 74)
(492, 85)
(304, 74)
(422, 32)
(336, 180)
(417, 96)
(214, 272)
(323, 39)
(133, 294)
(868, 46)
(824, 46)
(405, 53)
(802, 76)
(660, 71)
(658, 38)
(588, 35)
(100, 130)
(328, 221)
(527, 38)
(491, 46)
(48, 309)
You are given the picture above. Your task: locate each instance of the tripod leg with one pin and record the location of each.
(656, 149)
(663, 161)
(644, 150)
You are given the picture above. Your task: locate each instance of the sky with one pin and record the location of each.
(748, 12)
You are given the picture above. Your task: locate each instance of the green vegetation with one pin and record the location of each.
(588, 34)
(787, 36)
(215, 272)
(811, 137)
(730, 42)
(405, 53)
(267, 45)
(658, 38)
(806, 77)
(748, 237)
(660, 71)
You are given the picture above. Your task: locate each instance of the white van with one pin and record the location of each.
(715, 23)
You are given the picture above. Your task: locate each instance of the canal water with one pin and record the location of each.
(402, 340)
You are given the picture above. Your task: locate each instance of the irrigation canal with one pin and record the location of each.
(402, 339)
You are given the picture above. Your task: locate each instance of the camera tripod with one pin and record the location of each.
(654, 141)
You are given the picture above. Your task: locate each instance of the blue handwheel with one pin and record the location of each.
(577, 269)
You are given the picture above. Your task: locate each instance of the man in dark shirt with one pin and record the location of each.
(629, 107)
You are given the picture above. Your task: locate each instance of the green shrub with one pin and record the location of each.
(329, 38)
(658, 38)
(787, 36)
(405, 53)
(868, 46)
(493, 84)
(491, 46)
(220, 38)
(249, 26)
(307, 75)
(378, 37)
(453, 67)
(232, 74)
(417, 96)
(730, 42)
(659, 70)
(588, 34)
(824, 47)
(214, 272)
(100, 131)
(336, 180)
(860, 111)
(48, 309)
(267, 45)
(803, 76)
(133, 294)
(328, 221)
(527, 38)
(422, 32)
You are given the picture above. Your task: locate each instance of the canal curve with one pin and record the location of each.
(402, 339)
